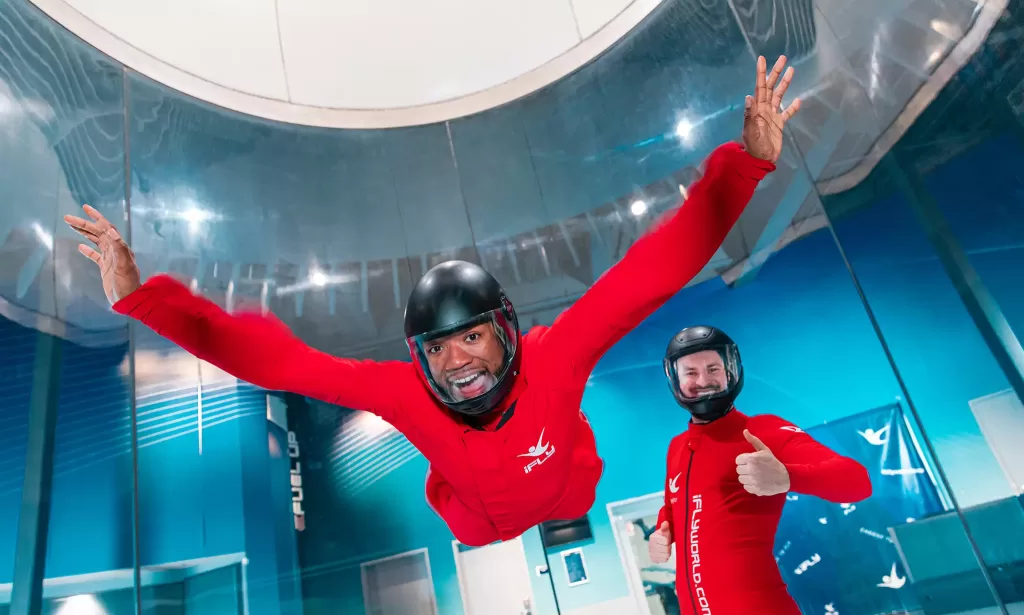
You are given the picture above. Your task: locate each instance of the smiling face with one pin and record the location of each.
(466, 364)
(701, 374)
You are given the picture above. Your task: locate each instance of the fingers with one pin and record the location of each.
(664, 527)
(791, 110)
(85, 228)
(113, 234)
(90, 229)
(101, 222)
(752, 439)
(108, 242)
(746, 479)
(745, 458)
(773, 76)
(780, 91)
(761, 90)
(745, 469)
(659, 556)
(89, 253)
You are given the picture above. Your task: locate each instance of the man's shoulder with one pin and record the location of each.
(535, 333)
(771, 422)
(533, 340)
(678, 440)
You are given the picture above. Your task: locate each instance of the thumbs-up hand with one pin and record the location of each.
(760, 472)
(659, 547)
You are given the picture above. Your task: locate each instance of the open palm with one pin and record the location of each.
(763, 118)
(115, 259)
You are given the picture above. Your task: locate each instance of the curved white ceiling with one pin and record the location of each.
(352, 63)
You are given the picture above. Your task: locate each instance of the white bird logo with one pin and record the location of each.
(539, 449)
(876, 438)
(893, 580)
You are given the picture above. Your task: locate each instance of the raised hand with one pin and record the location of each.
(763, 117)
(760, 472)
(659, 546)
(115, 259)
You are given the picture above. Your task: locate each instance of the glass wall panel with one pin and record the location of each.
(66, 508)
(929, 231)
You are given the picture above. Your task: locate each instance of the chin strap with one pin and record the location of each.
(706, 421)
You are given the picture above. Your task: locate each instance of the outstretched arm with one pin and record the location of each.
(664, 260)
(785, 458)
(817, 470)
(661, 262)
(261, 350)
(255, 348)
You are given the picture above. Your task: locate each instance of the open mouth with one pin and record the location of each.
(471, 385)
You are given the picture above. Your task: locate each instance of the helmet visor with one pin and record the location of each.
(468, 359)
(706, 373)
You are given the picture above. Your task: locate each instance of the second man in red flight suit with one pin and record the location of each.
(728, 474)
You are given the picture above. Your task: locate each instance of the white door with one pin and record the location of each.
(399, 585)
(1001, 419)
(651, 585)
(494, 580)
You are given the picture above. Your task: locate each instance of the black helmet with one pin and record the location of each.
(451, 299)
(715, 398)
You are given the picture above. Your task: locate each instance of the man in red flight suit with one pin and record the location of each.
(728, 474)
(496, 413)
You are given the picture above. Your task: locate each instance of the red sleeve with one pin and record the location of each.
(661, 262)
(814, 469)
(819, 471)
(263, 351)
(665, 514)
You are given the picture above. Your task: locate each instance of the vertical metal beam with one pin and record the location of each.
(980, 304)
(568, 241)
(300, 286)
(34, 518)
(126, 92)
(332, 289)
(543, 254)
(511, 249)
(364, 286)
(396, 286)
(547, 565)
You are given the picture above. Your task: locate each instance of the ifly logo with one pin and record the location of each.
(807, 563)
(698, 587)
(673, 486)
(540, 453)
(298, 513)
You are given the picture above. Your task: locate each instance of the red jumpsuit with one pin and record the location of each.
(724, 535)
(494, 483)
